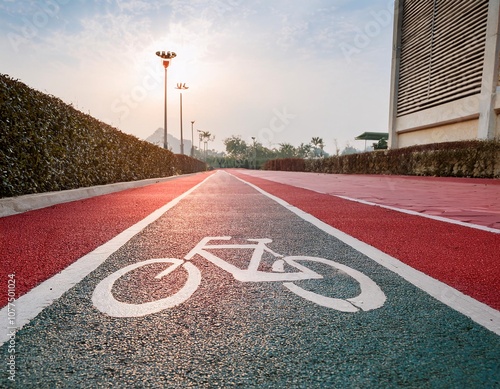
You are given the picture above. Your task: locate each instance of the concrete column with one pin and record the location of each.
(489, 82)
(396, 56)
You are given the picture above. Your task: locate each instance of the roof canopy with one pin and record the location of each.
(373, 136)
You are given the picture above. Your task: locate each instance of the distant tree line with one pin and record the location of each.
(253, 154)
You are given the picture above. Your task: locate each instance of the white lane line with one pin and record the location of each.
(402, 210)
(415, 213)
(43, 295)
(479, 312)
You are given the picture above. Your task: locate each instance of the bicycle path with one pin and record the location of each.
(463, 256)
(253, 334)
(469, 200)
(37, 244)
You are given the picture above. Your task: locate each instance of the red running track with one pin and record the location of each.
(465, 258)
(38, 244)
(470, 200)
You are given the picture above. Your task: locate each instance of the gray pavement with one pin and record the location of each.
(249, 334)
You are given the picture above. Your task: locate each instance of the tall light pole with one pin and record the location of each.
(181, 87)
(200, 137)
(254, 154)
(192, 139)
(166, 58)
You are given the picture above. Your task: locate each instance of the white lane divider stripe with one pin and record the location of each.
(479, 312)
(392, 208)
(426, 215)
(28, 306)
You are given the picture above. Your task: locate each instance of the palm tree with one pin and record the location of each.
(317, 142)
(304, 150)
(287, 150)
(206, 137)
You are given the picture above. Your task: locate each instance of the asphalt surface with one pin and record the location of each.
(460, 254)
(234, 333)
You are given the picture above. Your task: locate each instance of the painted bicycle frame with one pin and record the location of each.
(371, 296)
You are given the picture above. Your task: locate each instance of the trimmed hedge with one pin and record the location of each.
(185, 164)
(286, 164)
(475, 158)
(47, 145)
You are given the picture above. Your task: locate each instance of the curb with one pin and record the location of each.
(16, 205)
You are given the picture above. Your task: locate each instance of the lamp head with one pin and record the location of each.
(166, 55)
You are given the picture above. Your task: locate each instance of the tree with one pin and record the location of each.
(206, 137)
(317, 142)
(380, 145)
(349, 150)
(304, 150)
(286, 150)
(236, 147)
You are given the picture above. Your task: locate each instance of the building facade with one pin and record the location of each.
(445, 75)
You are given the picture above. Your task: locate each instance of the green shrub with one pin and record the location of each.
(47, 145)
(474, 158)
(186, 165)
(285, 164)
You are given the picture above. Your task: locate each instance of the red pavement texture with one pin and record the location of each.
(38, 244)
(466, 259)
(471, 200)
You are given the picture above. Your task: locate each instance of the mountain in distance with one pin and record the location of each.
(174, 144)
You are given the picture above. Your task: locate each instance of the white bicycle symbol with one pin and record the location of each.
(371, 296)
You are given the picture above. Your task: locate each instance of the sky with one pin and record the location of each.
(282, 71)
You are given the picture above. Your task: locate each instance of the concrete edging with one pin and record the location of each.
(19, 204)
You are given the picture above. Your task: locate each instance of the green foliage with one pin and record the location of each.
(187, 165)
(349, 150)
(287, 150)
(380, 145)
(47, 145)
(255, 155)
(473, 158)
(286, 164)
(236, 147)
(318, 144)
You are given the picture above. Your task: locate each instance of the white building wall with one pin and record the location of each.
(444, 71)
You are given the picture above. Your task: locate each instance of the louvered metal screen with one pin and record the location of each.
(442, 49)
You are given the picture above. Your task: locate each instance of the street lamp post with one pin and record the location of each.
(254, 154)
(166, 58)
(181, 87)
(200, 137)
(192, 139)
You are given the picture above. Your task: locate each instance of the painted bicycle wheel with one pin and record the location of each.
(371, 296)
(104, 301)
